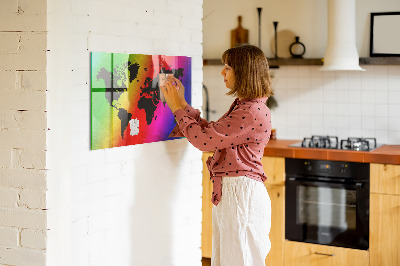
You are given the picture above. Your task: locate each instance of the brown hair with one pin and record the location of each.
(250, 66)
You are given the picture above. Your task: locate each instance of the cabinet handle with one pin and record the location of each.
(324, 254)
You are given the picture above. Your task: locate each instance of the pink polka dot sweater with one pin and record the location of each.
(238, 139)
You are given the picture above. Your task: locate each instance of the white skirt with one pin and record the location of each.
(241, 223)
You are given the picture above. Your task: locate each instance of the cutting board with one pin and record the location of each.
(239, 35)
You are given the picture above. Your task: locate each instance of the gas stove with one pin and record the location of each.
(332, 142)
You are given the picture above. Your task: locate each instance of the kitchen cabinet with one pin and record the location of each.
(305, 254)
(385, 178)
(385, 230)
(385, 215)
(277, 233)
(274, 168)
(384, 244)
(206, 225)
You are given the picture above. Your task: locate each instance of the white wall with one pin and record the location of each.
(306, 19)
(311, 102)
(23, 133)
(135, 205)
(343, 104)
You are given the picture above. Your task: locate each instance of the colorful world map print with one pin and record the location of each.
(127, 106)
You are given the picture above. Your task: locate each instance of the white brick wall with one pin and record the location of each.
(33, 239)
(108, 207)
(9, 197)
(9, 237)
(22, 132)
(136, 205)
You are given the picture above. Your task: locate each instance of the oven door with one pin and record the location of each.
(327, 213)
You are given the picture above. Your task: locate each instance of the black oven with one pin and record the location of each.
(327, 202)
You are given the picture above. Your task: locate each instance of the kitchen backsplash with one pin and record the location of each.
(314, 102)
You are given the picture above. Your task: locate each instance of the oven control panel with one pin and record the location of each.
(325, 167)
(337, 169)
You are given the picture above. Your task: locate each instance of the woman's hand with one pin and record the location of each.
(174, 93)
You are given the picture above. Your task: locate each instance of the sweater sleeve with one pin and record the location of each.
(231, 130)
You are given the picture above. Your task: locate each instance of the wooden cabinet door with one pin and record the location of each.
(384, 237)
(206, 226)
(304, 254)
(274, 168)
(277, 233)
(385, 178)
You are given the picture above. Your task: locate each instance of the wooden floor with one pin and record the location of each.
(206, 261)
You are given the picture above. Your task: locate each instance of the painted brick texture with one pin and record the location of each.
(136, 205)
(108, 207)
(23, 132)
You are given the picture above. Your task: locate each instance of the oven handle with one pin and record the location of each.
(357, 185)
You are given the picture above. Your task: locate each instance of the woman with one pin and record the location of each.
(242, 208)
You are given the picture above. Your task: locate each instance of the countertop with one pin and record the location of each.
(389, 154)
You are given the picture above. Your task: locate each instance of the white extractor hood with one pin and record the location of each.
(341, 51)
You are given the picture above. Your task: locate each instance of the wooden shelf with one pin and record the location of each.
(380, 61)
(273, 63)
(212, 62)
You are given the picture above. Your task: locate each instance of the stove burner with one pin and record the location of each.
(332, 142)
(328, 142)
(358, 144)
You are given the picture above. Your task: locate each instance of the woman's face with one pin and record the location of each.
(229, 76)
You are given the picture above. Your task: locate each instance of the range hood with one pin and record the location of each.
(341, 51)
